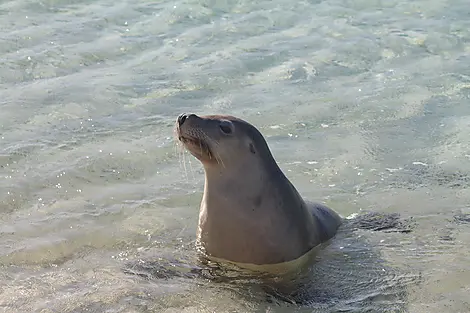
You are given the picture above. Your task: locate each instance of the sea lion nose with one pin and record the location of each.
(183, 117)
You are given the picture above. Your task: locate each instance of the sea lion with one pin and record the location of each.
(250, 212)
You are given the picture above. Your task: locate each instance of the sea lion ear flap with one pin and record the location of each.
(252, 148)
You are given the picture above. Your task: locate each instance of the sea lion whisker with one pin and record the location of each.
(184, 165)
(191, 168)
(217, 156)
(220, 159)
(208, 138)
(178, 151)
(217, 159)
(215, 143)
(200, 146)
(182, 159)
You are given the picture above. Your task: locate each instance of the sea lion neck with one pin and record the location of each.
(248, 185)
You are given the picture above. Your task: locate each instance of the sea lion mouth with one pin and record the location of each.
(196, 146)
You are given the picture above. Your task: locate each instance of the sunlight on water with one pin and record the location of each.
(363, 103)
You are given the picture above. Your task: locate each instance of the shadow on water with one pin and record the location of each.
(347, 275)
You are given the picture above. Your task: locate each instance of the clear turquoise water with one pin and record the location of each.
(365, 104)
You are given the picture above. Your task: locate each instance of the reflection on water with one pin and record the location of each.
(347, 275)
(364, 105)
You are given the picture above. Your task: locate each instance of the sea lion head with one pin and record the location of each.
(222, 141)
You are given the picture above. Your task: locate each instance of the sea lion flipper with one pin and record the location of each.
(381, 221)
(328, 220)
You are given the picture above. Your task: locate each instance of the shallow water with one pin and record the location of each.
(365, 105)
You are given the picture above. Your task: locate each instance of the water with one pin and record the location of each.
(363, 103)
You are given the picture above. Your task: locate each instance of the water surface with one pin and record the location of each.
(365, 105)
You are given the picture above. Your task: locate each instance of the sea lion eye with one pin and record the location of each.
(226, 127)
